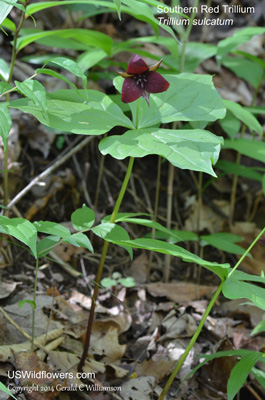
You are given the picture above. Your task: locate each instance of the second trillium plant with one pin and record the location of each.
(141, 80)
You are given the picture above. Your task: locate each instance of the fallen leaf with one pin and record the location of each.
(180, 292)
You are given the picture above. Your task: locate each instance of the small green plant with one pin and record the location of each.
(116, 279)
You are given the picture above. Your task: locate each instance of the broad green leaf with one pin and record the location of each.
(5, 123)
(187, 149)
(8, 24)
(86, 112)
(238, 286)
(245, 69)
(45, 245)
(47, 71)
(83, 241)
(239, 169)
(90, 58)
(137, 9)
(171, 237)
(83, 218)
(108, 282)
(190, 97)
(256, 110)
(20, 229)
(246, 117)
(240, 36)
(240, 373)
(167, 248)
(251, 148)
(112, 233)
(170, 43)
(52, 228)
(259, 375)
(30, 302)
(3, 388)
(4, 87)
(230, 124)
(144, 222)
(118, 6)
(127, 282)
(259, 328)
(5, 8)
(36, 92)
(4, 69)
(196, 53)
(70, 66)
(219, 354)
(225, 241)
(79, 39)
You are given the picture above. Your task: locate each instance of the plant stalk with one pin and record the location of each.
(34, 299)
(12, 65)
(104, 254)
(192, 341)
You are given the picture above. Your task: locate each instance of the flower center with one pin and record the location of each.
(140, 80)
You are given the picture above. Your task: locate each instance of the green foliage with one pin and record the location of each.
(5, 8)
(30, 302)
(187, 149)
(240, 286)
(181, 102)
(253, 149)
(240, 373)
(5, 123)
(86, 112)
(241, 36)
(245, 116)
(259, 328)
(83, 218)
(224, 241)
(76, 39)
(118, 279)
(20, 229)
(4, 70)
(167, 248)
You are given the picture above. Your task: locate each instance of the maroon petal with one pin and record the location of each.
(137, 66)
(130, 90)
(155, 83)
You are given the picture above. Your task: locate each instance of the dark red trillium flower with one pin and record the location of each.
(141, 80)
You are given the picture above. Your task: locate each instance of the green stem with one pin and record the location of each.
(193, 340)
(12, 64)
(186, 37)
(246, 252)
(34, 299)
(103, 256)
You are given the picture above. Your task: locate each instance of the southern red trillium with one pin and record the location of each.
(141, 80)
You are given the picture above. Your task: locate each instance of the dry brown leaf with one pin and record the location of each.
(7, 288)
(139, 270)
(178, 326)
(159, 367)
(104, 342)
(29, 362)
(179, 292)
(140, 388)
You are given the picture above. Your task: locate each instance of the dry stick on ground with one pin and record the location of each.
(50, 169)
